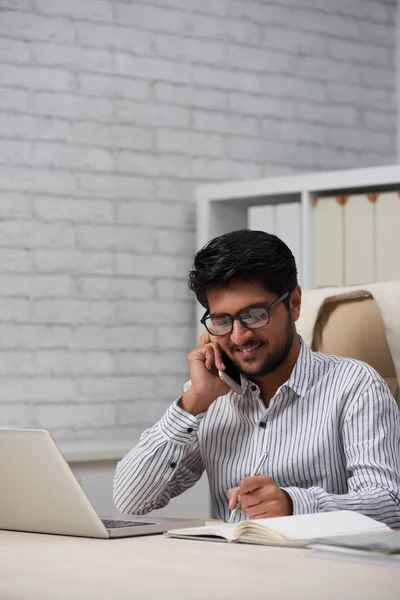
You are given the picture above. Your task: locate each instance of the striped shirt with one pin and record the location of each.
(331, 433)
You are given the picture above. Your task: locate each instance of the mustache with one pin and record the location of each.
(249, 344)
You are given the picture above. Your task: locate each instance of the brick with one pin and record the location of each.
(176, 191)
(112, 86)
(111, 136)
(62, 362)
(16, 415)
(326, 70)
(14, 99)
(189, 142)
(150, 17)
(377, 32)
(114, 186)
(118, 237)
(191, 49)
(190, 95)
(151, 265)
(117, 388)
(137, 163)
(379, 122)
(297, 42)
(24, 5)
(76, 415)
(183, 242)
(94, 10)
(15, 51)
(115, 288)
(359, 53)
(36, 180)
(55, 155)
(152, 68)
(17, 310)
(384, 99)
(16, 259)
(24, 389)
(151, 114)
(33, 128)
(169, 387)
(377, 78)
(113, 338)
(154, 312)
(140, 413)
(16, 363)
(34, 337)
(36, 286)
(37, 78)
(63, 312)
(155, 214)
(72, 57)
(243, 32)
(226, 79)
(171, 289)
(152, 363)
(72, 106)
(33, 234)
(116, 38)
(218, 122)
(72, 209)
(73, 261)
(213, 169)
(204, 26)
(214, 7)
(174, 337)
(30, 26)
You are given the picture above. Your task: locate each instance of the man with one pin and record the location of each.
(328, 425)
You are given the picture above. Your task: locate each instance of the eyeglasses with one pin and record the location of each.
(254, 317)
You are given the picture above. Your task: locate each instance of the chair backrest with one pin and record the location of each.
(354, 328)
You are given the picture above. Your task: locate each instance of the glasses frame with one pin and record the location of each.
(267, 307)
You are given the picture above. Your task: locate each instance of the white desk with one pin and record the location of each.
(40, 567)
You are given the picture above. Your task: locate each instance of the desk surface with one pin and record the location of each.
(45, 567)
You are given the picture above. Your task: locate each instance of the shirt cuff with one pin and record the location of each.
(178, 425)
(304, 500)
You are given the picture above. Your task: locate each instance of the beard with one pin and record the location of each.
(273, 360)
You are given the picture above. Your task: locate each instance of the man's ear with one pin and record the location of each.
(295, 303)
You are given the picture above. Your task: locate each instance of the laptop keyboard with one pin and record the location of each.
(114, 524)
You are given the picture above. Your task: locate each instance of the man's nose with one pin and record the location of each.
(240, 334)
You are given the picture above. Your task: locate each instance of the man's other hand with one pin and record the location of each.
(260, 498)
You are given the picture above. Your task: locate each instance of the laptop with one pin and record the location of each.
(40, 494)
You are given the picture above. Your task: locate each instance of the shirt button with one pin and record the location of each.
(262, 425)
(189, 429)
(172, 465)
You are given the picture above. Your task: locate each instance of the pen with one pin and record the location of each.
(255, 471)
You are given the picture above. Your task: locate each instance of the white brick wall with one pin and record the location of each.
(111, 112)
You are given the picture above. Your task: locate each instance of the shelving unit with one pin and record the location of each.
(224, 207)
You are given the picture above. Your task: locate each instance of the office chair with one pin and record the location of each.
(354, 328)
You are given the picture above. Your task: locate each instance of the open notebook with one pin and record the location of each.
(297, 530)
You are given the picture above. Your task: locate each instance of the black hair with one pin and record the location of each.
(245, 254)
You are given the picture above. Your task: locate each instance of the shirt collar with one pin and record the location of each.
(301, 375)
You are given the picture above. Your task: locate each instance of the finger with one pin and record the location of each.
(254, 482)
(209, 357)
(233, 496)
(218, 355)
(204, 339)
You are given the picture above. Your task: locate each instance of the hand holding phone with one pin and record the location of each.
(231, 375)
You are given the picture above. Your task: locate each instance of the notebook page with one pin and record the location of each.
(307, 527)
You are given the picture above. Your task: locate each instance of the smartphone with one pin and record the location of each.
(231, 375)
